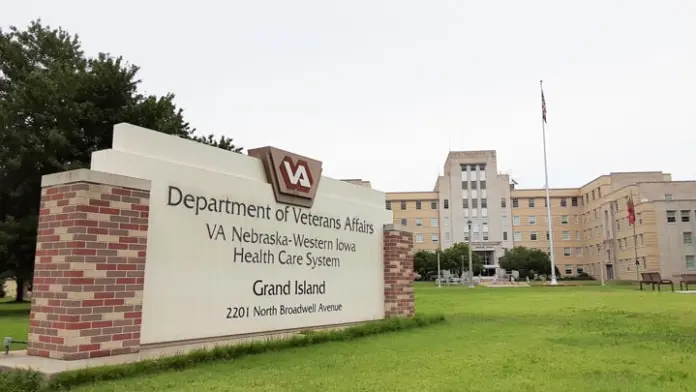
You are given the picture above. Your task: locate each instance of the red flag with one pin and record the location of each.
(631, 210)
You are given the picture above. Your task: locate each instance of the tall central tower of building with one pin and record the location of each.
(471, 190)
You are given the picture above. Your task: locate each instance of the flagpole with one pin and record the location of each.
(548, 193)
(635, 236)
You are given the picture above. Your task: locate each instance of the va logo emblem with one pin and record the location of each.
(296, 175)
(294, 178)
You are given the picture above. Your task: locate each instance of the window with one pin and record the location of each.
(531, 203)
(515, 220)
(404, 222)
(580, 270)
(565, 234)
(515, 202)
(546, 203)
(685, 215)
(532, 220)
(446, 204)
(419, 222)
(403, 205)
(447, 221)
(668, 196)
(484, 203)
(578, 252)
(465, 203)
(388, 204)
(599, 191)
(505, 236)
(433, 222)
(482, 185)
(435, 238)
(564, 219)
(564, 202)
(690, 262)
(465, 184)
(433, 205)
(466, 236)
(566, 252)
(574, 201)
(485, 236)
(503, 203)
(577, 236)
(533, 236)
(688, 238)
(671, 216)
(473, 185)
(484, 212)
(517, 235)
(419, 237)
(568, 269)
(418, 204)
(474, 203)
(548, 237)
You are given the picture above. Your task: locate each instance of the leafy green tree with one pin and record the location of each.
(57, 106)
(454, 256)
(527, 262)
(425, 264)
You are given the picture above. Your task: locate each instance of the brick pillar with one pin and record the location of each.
(90, 265)
(398, 272)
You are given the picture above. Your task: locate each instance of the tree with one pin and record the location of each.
(425, 264)
(57, 106)
(458, 254)
(526, 261)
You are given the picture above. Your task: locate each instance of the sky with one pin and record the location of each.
(383, 89)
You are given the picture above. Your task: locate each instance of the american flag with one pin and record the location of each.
(543, 106)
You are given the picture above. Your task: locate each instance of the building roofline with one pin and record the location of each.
(544, 189)
(627, 172)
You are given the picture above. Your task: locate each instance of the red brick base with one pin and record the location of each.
(398, 273)
(90, 266)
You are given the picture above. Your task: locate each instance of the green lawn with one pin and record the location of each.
(14, 321)
(612, 338)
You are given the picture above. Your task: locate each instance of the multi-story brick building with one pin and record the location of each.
(590, 228)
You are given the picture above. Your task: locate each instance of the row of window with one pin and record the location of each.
(534, 236)
(433, 237)
(531, 202)
(568, 269)
(419, 204)
(532, 220)
(419, 222)
(684, 216)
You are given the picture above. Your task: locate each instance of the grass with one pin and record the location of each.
(14, 321)
(582, 338)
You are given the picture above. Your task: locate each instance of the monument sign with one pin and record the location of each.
(167, 240)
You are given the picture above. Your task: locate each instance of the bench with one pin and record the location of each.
(685, 280)
(654, 279)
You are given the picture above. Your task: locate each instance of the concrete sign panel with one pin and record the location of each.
(241, 244)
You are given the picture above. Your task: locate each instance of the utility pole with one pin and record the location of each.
(471, 268)
(438, 270)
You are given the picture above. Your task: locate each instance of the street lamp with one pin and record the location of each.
(471, 268)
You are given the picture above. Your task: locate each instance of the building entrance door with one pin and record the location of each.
(610, 272)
